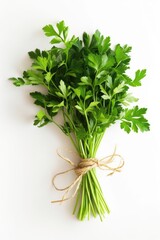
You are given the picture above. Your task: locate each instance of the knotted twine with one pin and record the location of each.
(82, 168)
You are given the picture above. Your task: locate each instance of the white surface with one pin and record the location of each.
(28, 157)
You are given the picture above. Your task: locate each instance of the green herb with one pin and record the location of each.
(86, 80)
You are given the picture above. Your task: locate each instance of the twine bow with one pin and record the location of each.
(82, 168)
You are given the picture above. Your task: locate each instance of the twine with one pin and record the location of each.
(82, 168)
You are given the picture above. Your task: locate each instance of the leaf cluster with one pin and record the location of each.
(86, 80)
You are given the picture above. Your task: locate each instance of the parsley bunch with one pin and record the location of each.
(86, 80)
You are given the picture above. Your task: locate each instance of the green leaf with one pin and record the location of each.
(65, 33)
(40, 100)
(48, 76)
(127, 99)
(119, 88)
(17, 81)
(56, 40)
(127, 49)
(85, 81)
(71, 73)
(126, 126)
(109, 82)
(120, 54)
(34, 77)
(104, 60)
(49, 31)
(88, 95)
(38, 96)
(110, 63)
(106, 44)
(105, 95)
(80, 107)
(102, 74)
(40, 115)
(41, 119)
(91, 106)
(63, 88)
(127, 79)
(35, 54)
(77, 91)
(139, 75)
(60, 26)
(55, 106)
(40, 63)
(59, 94)
(96, 40)
(86, 39)
(135, 117)
(80, 91)
(104, 47)
(94, 61)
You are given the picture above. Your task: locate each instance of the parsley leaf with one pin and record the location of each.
(133, 119)
(41, 119)
(49, 31)
(139, 75)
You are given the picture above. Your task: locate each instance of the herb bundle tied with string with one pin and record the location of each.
(86, 81)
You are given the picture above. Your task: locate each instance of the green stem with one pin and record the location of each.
(98, 141)
(82, 153)
(71, 122)
(90, 199)
(86, 117)
(69, 134)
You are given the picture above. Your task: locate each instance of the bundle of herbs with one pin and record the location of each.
(86, 81)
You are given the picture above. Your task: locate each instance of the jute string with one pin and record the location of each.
(82, 168)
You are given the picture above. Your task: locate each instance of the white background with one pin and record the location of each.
(28, 157)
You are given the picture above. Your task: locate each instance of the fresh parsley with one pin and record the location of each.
(87, 81)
